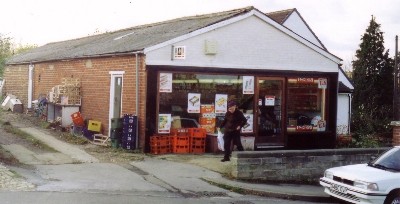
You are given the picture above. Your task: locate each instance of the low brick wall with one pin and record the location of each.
(295, 166)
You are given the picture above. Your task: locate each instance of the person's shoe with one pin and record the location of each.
(224, 160)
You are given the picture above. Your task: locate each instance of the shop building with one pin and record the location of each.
(181, 73)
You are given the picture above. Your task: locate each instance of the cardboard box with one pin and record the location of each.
(207, 108)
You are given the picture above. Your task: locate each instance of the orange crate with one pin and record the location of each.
(180, 132)
(180, 140)
(160, 141)
(197, 141)
(160, 150)
(198, 132)
(198, 149)
(180, 149)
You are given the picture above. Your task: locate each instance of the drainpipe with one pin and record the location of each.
(30, 84)
(137, 100)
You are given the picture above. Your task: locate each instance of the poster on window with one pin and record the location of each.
(221, 101)
(248, 127)
(165, 82)
(322, 83)
(269, 100)
(194, 103)
(248, 84)
(164, 123)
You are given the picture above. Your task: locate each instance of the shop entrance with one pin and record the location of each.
(268, 117)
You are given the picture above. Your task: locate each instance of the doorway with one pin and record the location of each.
(115, 96)
(269, 108)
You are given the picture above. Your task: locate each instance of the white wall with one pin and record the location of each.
(296, 24)
(250, 43)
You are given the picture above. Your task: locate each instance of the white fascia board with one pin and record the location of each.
(298, 38)
(199, 32)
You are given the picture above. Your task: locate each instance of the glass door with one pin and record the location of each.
(269, 132)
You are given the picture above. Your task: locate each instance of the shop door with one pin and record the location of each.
(269, 131)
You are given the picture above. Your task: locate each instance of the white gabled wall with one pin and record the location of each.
(250, 43)
(297, 25)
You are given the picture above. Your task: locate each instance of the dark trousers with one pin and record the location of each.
(228, 138)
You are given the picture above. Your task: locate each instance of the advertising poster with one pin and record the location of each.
(221, 101)
(164, 123)
(248, 84)
(165, 82)
(269, 100)
(194, 103)
(248, 128)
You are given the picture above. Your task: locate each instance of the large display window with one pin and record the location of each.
(306, 101)
(188, 100)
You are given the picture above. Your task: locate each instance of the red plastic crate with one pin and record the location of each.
(198, 132)
(180, 149)
(160, 145)
(180, 140)
(160, 150)
(180, 132)
(198, 149)
(77, 119)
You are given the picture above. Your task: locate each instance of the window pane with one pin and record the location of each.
(306, 104)
(207, 85)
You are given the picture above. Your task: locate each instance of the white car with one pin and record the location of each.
(375, 182)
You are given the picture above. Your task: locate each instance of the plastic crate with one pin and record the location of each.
(198, 132)
(160, 145)
(77, 119)
(180, 132)
(197, 145)
(128, 145)
(94, 125)
(181, 149)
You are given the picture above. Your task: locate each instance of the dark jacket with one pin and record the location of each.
(233, 120)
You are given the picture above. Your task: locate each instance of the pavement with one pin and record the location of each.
(72, 169)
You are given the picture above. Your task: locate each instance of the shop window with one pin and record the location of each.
(306, 101)
(189, 89)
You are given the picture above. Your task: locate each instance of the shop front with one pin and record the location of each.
(285, 110)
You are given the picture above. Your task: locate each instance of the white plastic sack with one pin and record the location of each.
(220, 139)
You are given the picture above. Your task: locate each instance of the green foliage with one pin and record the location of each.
(8, 49)
(5, 51)
(373, 86)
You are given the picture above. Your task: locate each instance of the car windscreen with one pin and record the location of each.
(389, 160)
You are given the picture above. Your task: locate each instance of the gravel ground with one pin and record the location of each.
(104, 154)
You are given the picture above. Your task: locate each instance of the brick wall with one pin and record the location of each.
(95, 85)
(298, 166)
(396, 133)
(16, 82)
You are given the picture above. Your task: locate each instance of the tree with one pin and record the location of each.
(5, 51)
(373, 84)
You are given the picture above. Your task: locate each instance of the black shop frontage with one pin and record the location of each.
(285, 109)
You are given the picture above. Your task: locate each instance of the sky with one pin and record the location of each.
(339, 24)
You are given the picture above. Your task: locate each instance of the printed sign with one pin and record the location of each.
(221, 101)
(248, 84)
(248, 127)
(194, 103)
(165, 82)
(164, 123)
(269, 100)
(322, 83)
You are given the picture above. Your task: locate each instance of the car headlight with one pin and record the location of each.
(328, 175)
(366, 185)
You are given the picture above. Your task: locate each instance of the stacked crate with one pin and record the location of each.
(180, 139)
(130, 123)
(197, 143)
(160, 144)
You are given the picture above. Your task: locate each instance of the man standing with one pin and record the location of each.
(234, 121)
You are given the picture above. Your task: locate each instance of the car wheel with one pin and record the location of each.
(393, 198)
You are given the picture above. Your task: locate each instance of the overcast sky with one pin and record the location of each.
(339, 24)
